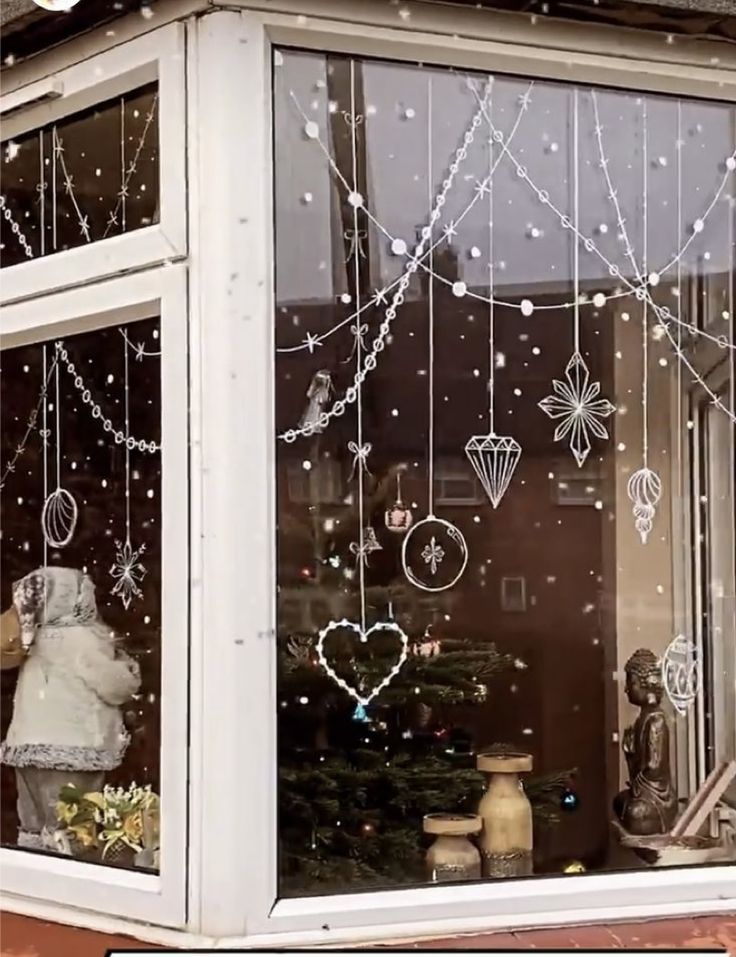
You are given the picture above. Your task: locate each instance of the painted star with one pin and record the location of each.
(128, 572)
(379, 297)
(450, 231)
(312, 342)
(575, 402)
(481, 187)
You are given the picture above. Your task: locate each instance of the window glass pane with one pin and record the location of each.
(504, 316)
(89, 176)
(80, 588)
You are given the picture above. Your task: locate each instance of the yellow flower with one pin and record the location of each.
(133, 827)
(86, 834)
(66, 812)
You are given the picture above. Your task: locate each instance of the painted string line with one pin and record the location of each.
(15, 227)
(397, 300)
(118, 435)
(597, 300)
(30, 427)
(311, 342)
(640, 292)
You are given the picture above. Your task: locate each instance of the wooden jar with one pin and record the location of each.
(452, 857)
(506, 840)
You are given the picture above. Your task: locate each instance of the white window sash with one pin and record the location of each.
(160, 899)
(156, 56)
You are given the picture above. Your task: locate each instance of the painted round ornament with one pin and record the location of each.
(434, 554)
(681, 673)
(59, 518)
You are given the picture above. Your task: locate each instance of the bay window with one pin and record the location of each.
(392, 426)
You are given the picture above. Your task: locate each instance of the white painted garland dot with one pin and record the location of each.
(398, 247)
(599, 300)
(459, 289)
(311, 129)
(527, 307)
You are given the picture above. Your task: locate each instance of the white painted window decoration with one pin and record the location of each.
(93, 554)
(82, 195)
(79, 180)
(394, 386)
(426, 305)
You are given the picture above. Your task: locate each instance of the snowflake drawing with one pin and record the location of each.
(575, 402)
(433, 555)
(128, 572)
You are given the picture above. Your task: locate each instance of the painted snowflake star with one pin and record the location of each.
(433, 555)
(128, 572)
(575, 402)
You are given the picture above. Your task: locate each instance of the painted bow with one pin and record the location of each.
(360, 454)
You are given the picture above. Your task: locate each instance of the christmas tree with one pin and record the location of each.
(355, 782)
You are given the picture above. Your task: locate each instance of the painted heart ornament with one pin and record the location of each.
(363, 699)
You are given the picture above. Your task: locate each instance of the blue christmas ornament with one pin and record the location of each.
(360, 714)
(569, 801)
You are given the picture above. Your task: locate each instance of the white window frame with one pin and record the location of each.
(161, 898)
(156, 56)
(238, 892)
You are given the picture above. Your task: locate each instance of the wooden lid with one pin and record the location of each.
(510, 762)
(452, 824)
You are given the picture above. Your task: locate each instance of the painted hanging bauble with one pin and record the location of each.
(681, 673)
(569, 801)
(645, 490)
(59, 518)
(434, 554)
(398, 518)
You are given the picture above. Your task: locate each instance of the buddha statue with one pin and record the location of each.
(649, 804)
